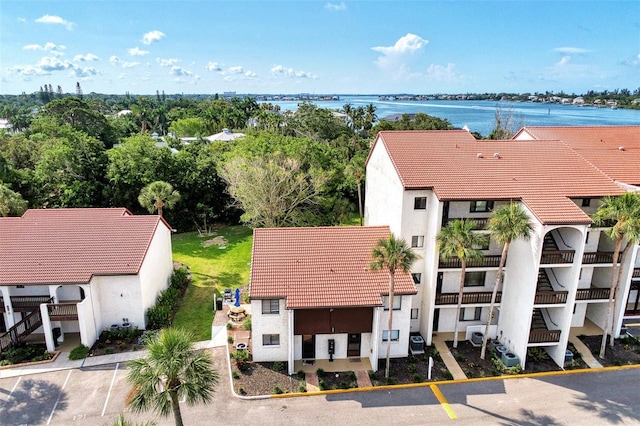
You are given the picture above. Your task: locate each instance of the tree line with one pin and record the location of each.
(302, 168)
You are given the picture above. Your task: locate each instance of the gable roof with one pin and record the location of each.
(321, 267)
(456, 166)
(69, 246)
(614, 150)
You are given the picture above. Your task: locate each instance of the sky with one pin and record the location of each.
(319, 47)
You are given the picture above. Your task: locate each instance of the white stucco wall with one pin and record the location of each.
(117, 297)
(269, 324)
(155, 272)
(401, 321)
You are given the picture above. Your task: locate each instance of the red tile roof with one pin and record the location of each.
(600, 146)
(543, 174)
(321, 267)
(65, 246)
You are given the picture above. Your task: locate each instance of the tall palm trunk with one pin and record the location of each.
(390, 326)
(175, 405)
(494, 294)
(159, 205)
(608, 321)
(463, 263)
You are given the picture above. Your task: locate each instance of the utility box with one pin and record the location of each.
(510, 360)
(568, 356)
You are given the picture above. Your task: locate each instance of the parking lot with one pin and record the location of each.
(91, 395)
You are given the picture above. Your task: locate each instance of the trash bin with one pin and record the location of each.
(218, 306)
(57, 332)
(568, 356)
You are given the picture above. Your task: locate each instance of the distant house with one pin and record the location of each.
(312, 286)
(81, 270)
(225, 135)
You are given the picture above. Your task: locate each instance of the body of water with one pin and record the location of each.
(479, 116)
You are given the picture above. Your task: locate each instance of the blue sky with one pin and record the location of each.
(319, 47)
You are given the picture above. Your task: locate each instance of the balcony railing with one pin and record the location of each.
(598, 257)
(25, 303)
(557, 256)
(485, 262)
(467, 298)
(550, 297)
(63, 311)
(593, 293)
(481, 222)
(544, 336)
(636, 273)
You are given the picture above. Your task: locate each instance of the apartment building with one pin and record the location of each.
(418, 181)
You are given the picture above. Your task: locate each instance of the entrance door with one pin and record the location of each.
(353, 348)
(634, 299)
(308, 346)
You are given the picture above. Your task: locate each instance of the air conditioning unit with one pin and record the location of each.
(416, 345)
(510, 360)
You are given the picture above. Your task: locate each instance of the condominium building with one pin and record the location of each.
(418, 181)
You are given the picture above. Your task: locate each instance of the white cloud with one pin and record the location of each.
(441, 73)
(152, 36)
(570, 50)
(48, 63)
(406, 44)
(180, 72)
(53, 19)
(86, 58)
(633, 62)
(28, 71)
(279, 70)
(114, 60)
(214, 66)
(334, 7)
(122, 76)
(564, 61)
(250, 74)
(136, 51)
(167, 62)
(84, 72)
(53, 48)
(236, 70)
(130, 64)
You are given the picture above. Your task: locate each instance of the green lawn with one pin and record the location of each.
(213, 269)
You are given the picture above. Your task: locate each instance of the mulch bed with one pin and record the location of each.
(411, 369)
(468, 357)
(264, 378)
(625, 351)
(116, 342)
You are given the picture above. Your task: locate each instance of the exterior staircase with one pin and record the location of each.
(549, 244)
(543, 281)
(22, 329)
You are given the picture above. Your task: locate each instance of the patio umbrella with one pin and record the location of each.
(237, 302)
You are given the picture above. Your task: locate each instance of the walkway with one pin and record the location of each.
(447, 357)
(587, 357)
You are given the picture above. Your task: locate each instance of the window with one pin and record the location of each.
(395, 335)
(474, 279)
(417, 277)
(271, 306)
(586, 202)
(417, 241)
(270, 340)
(481, 206)
(397, 302)
(470, 314)
(420, 203)
(414, 313)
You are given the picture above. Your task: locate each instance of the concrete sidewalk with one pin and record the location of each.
(448, 359)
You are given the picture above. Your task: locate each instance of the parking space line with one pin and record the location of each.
(59, 396)
(443, 401)
(10, 393)
(113, 380)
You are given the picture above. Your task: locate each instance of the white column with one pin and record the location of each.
(9, 320)
(290, 341)
(375, 339)
(53, 292)
(46, 327)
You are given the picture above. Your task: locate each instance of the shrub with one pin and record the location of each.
(460, 358)
(301, 375)
(320, 372)
(241, 391)
(352, 376)
(247, 323)
(277, 390)
(343, 385)
(412, 368)
(230, 339)
(468, 373)
(180, 278)
(322, 385)
(417, 378)
(241, 356)
(277, 366)
(302, 388)
(372, 375)
(448, 375)
(229, 326)
(108, 351)
(390, 380)
(235, 375)
(79, 352)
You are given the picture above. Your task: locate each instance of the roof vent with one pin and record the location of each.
(479, 155)
(496, 155)
(621, 148)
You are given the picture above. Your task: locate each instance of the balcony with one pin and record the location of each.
(492, 261)
(24, 303)
(636, 273)
(550, 297)
(598, 257)
(467, 298)
(593, 293)
(550, 257)
(539, 332)
(481, 222)
(63, 311)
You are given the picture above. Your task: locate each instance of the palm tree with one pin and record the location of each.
(392, 254)
(11, 202)
(171, 370)
(507, 223)
(157, 195)
(458, 239)
(624, 212)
